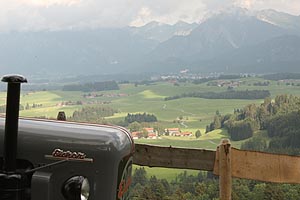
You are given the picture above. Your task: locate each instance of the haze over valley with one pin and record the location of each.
(175, 74)
(231, 41)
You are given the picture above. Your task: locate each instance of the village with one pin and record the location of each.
(150, 133)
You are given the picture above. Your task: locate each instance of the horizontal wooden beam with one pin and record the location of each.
(244, 164)
(171, 157)
(261, 166)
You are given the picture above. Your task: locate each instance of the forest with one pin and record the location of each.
(279, 118)
(281, 76)
(139, 117)
(229, 94)
(91, 87)
(204, 186)
(92, 114)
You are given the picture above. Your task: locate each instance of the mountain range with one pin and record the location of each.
(232, 41)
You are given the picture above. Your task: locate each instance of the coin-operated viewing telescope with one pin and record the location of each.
(58, 160)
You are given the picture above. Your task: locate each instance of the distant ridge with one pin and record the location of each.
(234, 40)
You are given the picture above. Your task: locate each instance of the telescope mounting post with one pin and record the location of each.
(12, 181)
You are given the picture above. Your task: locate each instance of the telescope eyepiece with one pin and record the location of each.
(14, 78)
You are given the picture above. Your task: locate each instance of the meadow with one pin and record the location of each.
(196, 113)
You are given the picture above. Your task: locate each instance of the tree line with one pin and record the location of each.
(282, 76)
(230, 94)
(205, 186)
(140, 117)
(221, 77)
(90, 87)
(92, 114)
(279, 118)
(3, 108)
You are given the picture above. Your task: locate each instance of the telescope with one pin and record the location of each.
(59, 160)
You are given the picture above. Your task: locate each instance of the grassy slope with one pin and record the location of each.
(196, 112)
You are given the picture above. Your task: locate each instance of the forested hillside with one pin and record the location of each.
(279, 118)
(204, 186)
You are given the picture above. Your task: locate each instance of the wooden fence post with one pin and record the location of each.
(225, 178)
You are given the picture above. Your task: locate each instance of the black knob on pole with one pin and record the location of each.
(11, 121)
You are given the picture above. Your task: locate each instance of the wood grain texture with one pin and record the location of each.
(262, 166)
(244, 164)
(171, 157)
(225, 177)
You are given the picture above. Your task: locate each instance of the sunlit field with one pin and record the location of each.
(196, 113)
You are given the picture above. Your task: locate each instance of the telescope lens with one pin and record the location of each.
(85, 189)
(76, 188)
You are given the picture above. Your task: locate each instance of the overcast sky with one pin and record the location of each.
(62, 14)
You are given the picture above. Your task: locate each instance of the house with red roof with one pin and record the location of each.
(136, 135)
(173, 131)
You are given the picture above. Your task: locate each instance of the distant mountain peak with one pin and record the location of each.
(154, 24)
(279, 19)
(234, 11)
(272, 11)
(181, 23)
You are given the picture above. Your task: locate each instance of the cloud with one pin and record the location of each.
(169, 11)
(67, 14)
(244, 3)
(47, 3)
(289, 6)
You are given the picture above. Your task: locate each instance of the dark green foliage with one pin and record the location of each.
(241, 190)
(90, 87)
(273, 192)
(206, 187)
(241, 130)
(265, 83)
(198, 133)
(285, 133)
(182, 188)
(3, 108)
(281, 120)
(140, 118)
(282, 125)
(139, 177)
(207, 129)
(282, 76)
(93, 114)
(229, 94)
(135, 126)
(221, 77)
(203, 80)
(229, 76)
(255, 143)
(144, 82)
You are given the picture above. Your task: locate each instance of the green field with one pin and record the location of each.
(195, 112)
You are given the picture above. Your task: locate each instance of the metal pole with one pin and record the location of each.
(11, 121)
(225, 177)
(12, 182)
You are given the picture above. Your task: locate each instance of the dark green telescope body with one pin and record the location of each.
(66, 160)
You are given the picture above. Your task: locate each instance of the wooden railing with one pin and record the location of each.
(226, 162)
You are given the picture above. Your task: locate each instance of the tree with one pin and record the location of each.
(207, 129)
(144, 133)
(217, 122)
(255, 143)
(273, 192)
(27, 107)
(135, 126)
(159, 129)
(140, 176)
(198, 133)
(167, 132)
